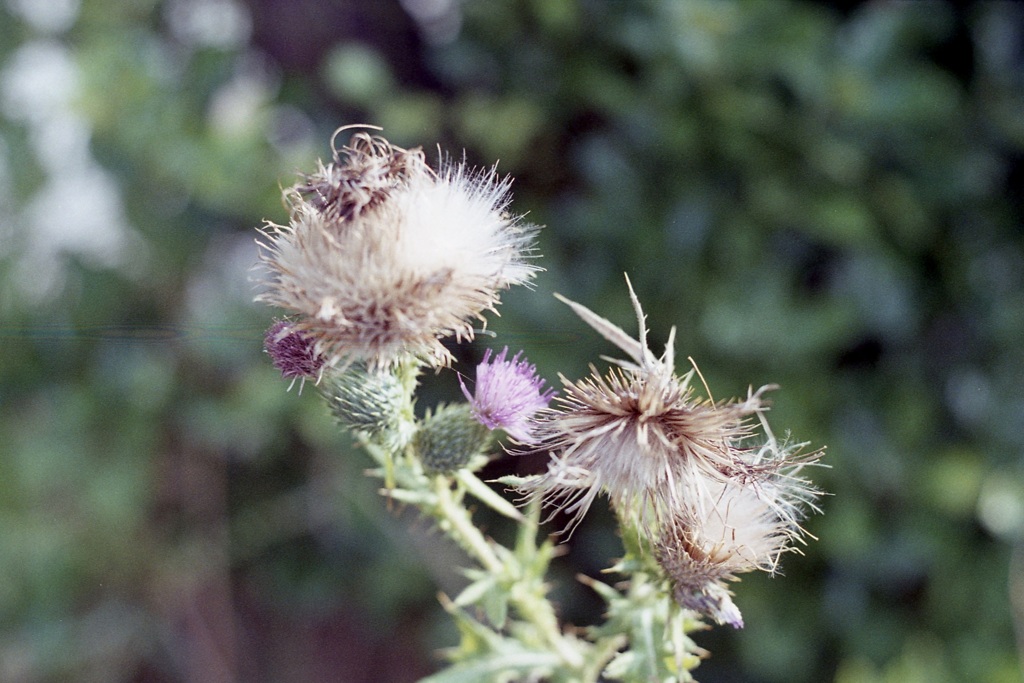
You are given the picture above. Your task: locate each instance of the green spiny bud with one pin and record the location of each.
(375, 402)
(449, 439)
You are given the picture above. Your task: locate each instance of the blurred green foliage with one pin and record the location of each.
(830, 201)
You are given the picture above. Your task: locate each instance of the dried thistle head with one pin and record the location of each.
(707, 482)
(641, 435)
(383, 256)
(343, 189)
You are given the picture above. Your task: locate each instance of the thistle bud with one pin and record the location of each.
(374, 402)
(450, 438)
(292, 353)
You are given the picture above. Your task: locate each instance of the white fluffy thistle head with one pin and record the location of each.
(730, 529)
(383, 256)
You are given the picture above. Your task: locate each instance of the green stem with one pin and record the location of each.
(530, 600)
(527, 592)
(535, 608)
(461, 528)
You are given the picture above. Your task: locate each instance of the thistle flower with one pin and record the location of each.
(640, 435)
(383, 256)
(293, 353)
(507, 394)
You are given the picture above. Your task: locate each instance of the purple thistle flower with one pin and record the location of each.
(293, 353)
(508, 393)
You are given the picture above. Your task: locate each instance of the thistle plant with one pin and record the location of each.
(383, 258)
